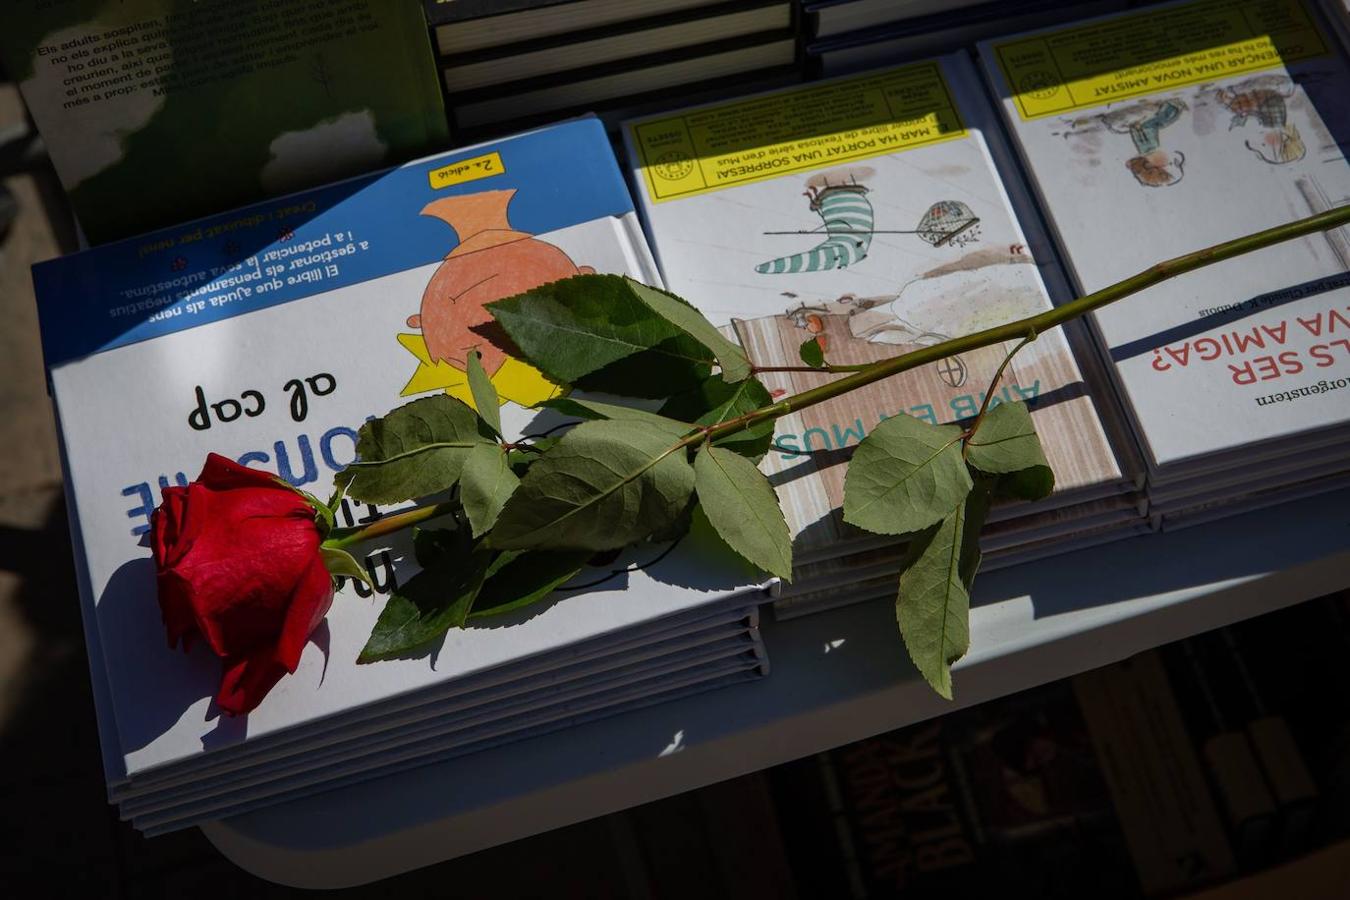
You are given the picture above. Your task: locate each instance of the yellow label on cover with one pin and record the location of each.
(751, 140)
(466, 170)
(1151, 51)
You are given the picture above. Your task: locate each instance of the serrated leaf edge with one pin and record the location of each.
(786, 562)
(485, 398)
(848, 514)
(598, 497)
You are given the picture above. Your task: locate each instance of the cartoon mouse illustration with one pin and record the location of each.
(491, 262)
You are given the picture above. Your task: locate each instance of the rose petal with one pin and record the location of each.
(309, 604)
(221, 473)
(166, 527)
(238, 563)
(244, 503)
(246, 564)
(246, 680)
(175, 607)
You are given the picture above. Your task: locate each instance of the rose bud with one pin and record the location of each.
(238, 564)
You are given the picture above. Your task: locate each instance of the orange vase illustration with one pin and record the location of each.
(492, 261)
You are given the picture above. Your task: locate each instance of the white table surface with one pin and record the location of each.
(836, 677)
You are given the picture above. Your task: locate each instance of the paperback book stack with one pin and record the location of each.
(870, 214)
(849, 35)
(1232, 120)
(516, 63)
(268, 335)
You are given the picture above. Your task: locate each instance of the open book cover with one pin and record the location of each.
(1164, 131)
(156, 111)
(868, 213)
(269, 335)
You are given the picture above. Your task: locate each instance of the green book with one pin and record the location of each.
(159, 111)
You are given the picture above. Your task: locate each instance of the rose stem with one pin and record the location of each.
(389, 524)
(1022, 328)
(1038, 324)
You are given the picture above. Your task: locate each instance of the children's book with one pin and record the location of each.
(867, 213)
(155, 111)
(269, 334)
(1160, 132)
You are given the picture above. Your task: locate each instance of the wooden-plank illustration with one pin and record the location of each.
(818, 441)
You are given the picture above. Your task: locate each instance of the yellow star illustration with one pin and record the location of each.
(515, 381)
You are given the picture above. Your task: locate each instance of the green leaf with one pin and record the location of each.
(429, 604)
(324, 517)
(678, 527)
(541, 444)
(485, 485)
(933, 603)
(735, 364)
(978, 502)
(484, 394)
(432, 544)
(519, 460)
(715, 401)
(575, 326)
(323, 512)
(740, 503)
(584, 408)
(905, 476)
(517, 578)
(604, 485)
(812, 353)
(341, 564)
(413, 451)
(328, 511)
(1005, 443)
(676, 364)
(336, 497)
(1035, 483)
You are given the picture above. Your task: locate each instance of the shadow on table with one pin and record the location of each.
(1246, 546)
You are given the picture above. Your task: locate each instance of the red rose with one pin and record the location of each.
(237, 562)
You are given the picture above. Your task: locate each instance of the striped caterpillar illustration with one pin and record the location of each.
(847, 215)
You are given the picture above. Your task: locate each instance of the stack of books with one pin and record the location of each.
(850, 35)
(509, 65)
(201, 338)
(1233, 120)
(873, 214)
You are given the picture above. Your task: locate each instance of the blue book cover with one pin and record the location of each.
(269, 335)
